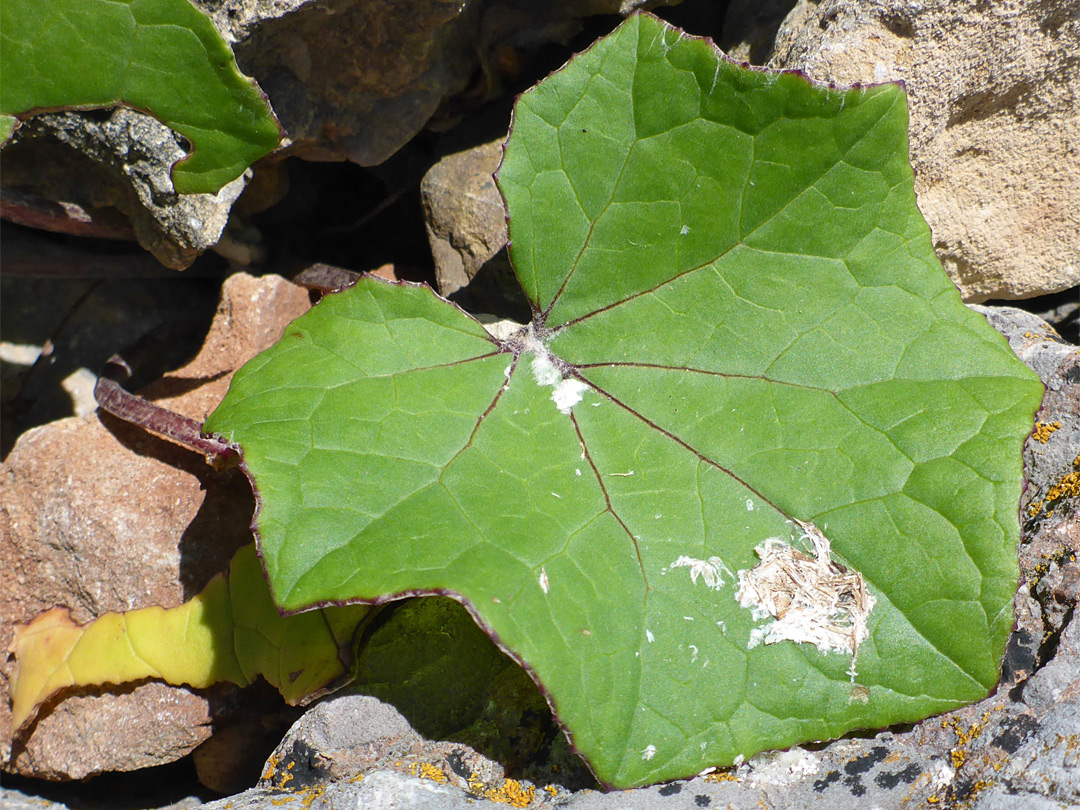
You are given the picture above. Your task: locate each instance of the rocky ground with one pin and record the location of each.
(92, 508)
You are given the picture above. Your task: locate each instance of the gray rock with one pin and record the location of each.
(992, 90)
(1031, 338)
(356, 81)
(348, 737)
(11, 799)
(1045, 770)
(17, 800)
(342, 737)
(1059, 680)
(1049, 765)
(382, 790)
(1059, 590)
(998, 798)
(124, 160)
(465, 216)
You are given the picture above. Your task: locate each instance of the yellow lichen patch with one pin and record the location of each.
(722, 777)
(1067, 487)
(425, 770)
(288, 775)
(979, 786)
(310, 795)
(511, 792)
(1044, 430)
(964, 737)
(271, 768)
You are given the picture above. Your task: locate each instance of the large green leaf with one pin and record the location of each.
(161, 56)
(739, 323)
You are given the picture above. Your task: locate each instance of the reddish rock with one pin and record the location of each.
(100, 516)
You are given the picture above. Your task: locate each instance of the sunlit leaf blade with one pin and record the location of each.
(161, 56)
(739, 324)
(230, 632)
(8, 124)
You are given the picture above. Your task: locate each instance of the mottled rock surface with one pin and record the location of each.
(124, 160)
(465, 216)
(357, 80)
(993, 90)
(348, 80)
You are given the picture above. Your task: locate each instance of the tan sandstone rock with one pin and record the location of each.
(98, 516)
(994, 92)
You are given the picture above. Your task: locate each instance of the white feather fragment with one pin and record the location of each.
(648, 752)
(782, 768)
(567, 390)
(649, 636)
(709, 570)
(568, 393)
(812, 600)
(544, 370)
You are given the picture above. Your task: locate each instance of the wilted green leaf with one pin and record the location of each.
(161, 56)
(739, 323)
(229, 632)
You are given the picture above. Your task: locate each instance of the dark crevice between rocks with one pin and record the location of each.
(1050, 644)
(427, 658)
(248, 724)
(137, 790)
(1061, 310)
(81, 322)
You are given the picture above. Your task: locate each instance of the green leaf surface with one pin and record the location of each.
(161, 56)
(8, 123)
(739, 323)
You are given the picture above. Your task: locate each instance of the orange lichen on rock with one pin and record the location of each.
(511, 792)
(1067, 487)
(1044, 430)
(425, 770)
